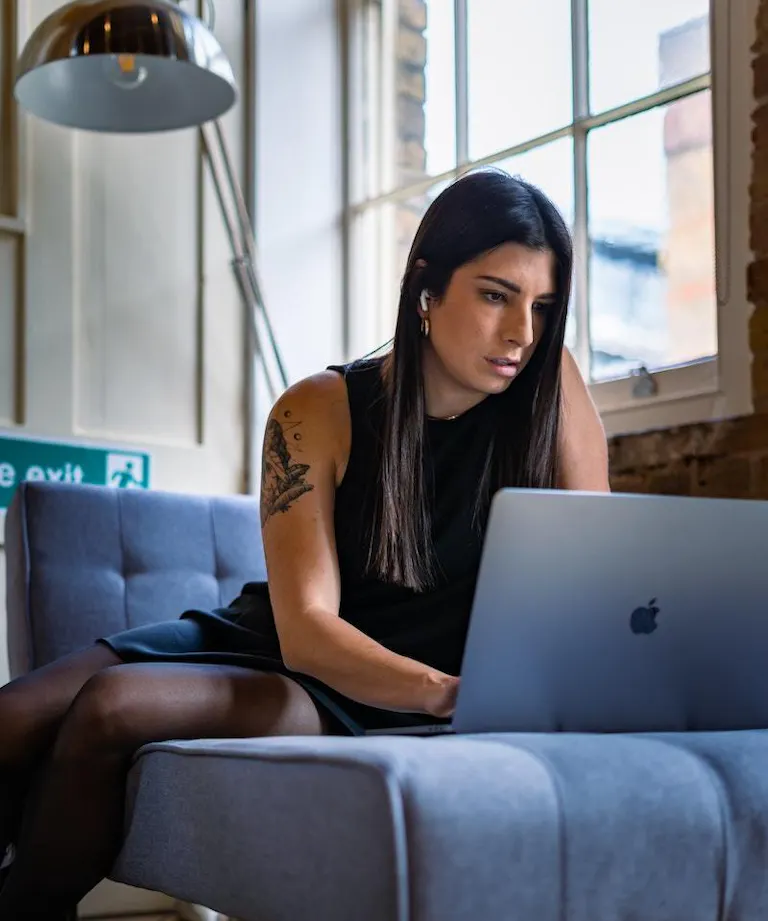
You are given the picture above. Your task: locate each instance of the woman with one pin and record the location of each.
(377, 478)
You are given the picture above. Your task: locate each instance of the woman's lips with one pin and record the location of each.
(504, 367)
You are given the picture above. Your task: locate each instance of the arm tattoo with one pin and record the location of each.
(282, 481)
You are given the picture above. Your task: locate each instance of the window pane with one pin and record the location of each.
(367, 323)
(407, 217)
(425, 77)
(652, 253)
(383, 235)
(519, 60)
(407, 121)
(440, 80)
(639, 48)
(551, 169)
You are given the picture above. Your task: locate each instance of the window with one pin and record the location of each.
(608, 107)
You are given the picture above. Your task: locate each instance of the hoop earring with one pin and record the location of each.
(425, 327)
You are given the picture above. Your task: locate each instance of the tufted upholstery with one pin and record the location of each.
(504, 827)
(85, 561)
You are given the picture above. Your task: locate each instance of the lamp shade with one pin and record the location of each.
(124, 66)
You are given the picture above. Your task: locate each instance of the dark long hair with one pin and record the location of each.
(482, 210)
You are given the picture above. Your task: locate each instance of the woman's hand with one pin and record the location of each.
(441, 694)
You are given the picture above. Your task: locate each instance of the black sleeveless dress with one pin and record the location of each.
(428, 626)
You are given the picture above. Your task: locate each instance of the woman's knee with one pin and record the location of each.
(102, 717)
(124, 707)
(33, 706)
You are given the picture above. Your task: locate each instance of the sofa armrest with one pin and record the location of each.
(17, 574)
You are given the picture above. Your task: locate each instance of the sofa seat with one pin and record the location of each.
(655, 827)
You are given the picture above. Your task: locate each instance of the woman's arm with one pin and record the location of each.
(306, 447)
(583, 450)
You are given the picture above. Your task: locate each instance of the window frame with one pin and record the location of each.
(705, 390)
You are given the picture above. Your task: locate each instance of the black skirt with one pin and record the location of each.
(244, 634)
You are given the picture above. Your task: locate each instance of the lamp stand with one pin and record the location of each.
(238, 226)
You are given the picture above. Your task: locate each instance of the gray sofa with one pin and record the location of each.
(486, 828)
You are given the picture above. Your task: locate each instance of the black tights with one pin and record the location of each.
(74, 725)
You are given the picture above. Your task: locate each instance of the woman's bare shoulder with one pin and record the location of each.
(583, 448)
(323, 394)
(320, 404)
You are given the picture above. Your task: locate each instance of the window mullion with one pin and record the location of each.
(580, 72)
(461, 50)
(581, 249)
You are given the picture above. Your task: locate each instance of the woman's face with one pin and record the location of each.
(486, 326)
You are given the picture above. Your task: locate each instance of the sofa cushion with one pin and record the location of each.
(475, 828)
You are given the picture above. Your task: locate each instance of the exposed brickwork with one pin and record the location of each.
(730, 458)
(413, 13)
(411, 90)
(411, 123)
(758, 273)
(761, 40)
(724, 459)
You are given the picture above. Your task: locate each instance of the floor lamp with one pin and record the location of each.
(130, 66)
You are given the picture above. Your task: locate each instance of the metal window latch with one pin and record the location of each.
(643, 383)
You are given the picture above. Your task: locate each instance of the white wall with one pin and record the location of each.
(133, 326)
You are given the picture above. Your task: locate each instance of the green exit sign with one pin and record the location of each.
(29, 460)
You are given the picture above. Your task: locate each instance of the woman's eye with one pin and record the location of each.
(495, 297)
(541, 307)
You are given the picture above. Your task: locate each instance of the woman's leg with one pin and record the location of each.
(31, 710)
(71, 834)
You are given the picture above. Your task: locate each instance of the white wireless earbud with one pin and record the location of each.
(423, 301)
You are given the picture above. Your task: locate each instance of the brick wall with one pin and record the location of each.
(411, 123)
(411, 91)
(725, 459)
(730, 458)
(758, 224)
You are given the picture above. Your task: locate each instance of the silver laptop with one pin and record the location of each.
(617, 613)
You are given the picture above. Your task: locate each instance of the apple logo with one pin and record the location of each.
(643, 620)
